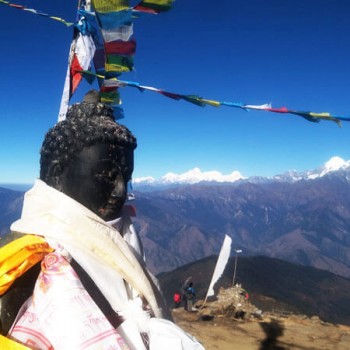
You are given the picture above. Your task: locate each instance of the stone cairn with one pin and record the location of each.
(231, 303)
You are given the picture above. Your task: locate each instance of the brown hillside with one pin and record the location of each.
(296, 333)
(233, 322)
(272, 284)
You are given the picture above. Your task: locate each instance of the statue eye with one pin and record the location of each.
(100, 177)
(103, 175)
(107, 175)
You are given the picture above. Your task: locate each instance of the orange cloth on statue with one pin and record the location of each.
(19, 256)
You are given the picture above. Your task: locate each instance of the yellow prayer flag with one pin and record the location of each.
(211, 102)
(109, 67)
(68, 24)
(158, 2)
(320, 115)
(110, 5)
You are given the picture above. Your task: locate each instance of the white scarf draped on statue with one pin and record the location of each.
(114, 263)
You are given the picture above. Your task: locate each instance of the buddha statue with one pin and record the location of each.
(85, 260)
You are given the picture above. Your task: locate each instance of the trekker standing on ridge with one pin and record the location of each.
(177, 299)
(190, 295)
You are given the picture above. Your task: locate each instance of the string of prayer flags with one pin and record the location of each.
(202, 102)
(36, 12)
(103, 41)
(103, 35)
(114, 18)
(106, 27)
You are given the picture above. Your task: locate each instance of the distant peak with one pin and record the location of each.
(335, 163)
(196, 175)
(145, 179)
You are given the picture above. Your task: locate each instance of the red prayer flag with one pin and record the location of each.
(170, 94)
(75, 73)
(120, 47)
(278, 110)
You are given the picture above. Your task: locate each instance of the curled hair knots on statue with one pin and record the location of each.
(86, 124)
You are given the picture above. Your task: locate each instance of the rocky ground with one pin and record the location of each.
(232, 322)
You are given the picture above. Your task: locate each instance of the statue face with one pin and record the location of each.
(97, 178)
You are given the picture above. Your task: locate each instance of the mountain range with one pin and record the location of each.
(10, 208)
(298, 217)
(197, 176)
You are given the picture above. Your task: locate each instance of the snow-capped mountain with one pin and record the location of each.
(197, 176)
(144, 180)
(334, 164)
(190, 177)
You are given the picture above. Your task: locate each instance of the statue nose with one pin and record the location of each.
(119, 187)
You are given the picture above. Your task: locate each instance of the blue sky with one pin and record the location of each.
(290, 53)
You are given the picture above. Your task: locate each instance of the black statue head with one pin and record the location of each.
(89, 157)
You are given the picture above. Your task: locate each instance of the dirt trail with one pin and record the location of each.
(293, 332)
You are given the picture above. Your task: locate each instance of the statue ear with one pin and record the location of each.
(54, 175)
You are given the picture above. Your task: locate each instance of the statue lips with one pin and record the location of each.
(111, 210)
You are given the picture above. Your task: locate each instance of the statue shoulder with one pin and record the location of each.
(18, 254)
